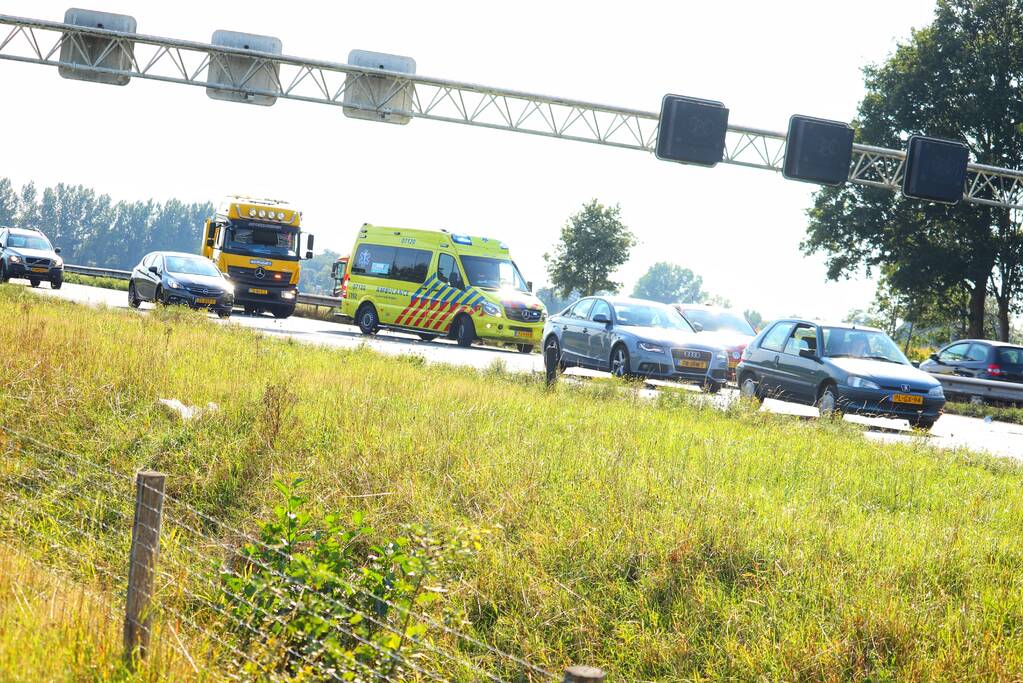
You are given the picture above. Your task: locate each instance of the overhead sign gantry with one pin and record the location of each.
(105, 48)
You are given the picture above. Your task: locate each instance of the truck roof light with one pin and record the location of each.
(262, 213)
(252, 212)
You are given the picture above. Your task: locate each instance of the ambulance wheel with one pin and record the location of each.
(427, 337)
(369, 322)
(465, 331)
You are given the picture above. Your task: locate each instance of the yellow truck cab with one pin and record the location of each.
(433, 283)
(258, 244)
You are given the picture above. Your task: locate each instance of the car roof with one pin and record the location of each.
(827, 323)
(626, 300)
(989, 342)
(177, 253)
(25, 231)
(709, 307)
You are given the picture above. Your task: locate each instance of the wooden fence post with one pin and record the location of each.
(145, 547)
(583, 674)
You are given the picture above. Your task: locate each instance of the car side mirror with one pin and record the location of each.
(529, 285)
(154, 270)
(808, 353)
(601, 319)
(698, 327)
(57, 250)
(308, 255)
(935, 358)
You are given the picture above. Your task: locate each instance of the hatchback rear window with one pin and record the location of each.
(1010, 356)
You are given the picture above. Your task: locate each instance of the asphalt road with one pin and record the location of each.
(951, 431)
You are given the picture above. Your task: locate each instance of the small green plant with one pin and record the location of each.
(318, 593)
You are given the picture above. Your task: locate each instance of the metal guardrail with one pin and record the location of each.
(980, 389)
(303, 298)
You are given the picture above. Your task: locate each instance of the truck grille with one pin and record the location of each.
(258, 276)
(523, 315)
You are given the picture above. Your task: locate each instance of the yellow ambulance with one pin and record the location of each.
(433, 283)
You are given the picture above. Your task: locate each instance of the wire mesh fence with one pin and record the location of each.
(278, 604)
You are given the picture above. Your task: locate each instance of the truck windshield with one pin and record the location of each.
(262, 239)
(493, 273)
(183, 265)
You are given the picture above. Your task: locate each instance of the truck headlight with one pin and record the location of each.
(288, 295)
(173, 284)
(491, 309)
(861, 383)
(651, 348)
(937, 391)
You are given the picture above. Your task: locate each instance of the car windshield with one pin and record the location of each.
(186, 265)
(718, 321)
(262, 239)
(28, 242)
(493, 273)
(650, 315)
(841, 342)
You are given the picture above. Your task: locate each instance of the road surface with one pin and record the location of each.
(951, 431)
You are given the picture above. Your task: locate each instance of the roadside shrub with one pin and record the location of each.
(319, 594)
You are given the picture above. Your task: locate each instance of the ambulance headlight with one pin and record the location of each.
(491, 309)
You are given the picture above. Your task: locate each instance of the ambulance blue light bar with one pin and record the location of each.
(462, 239)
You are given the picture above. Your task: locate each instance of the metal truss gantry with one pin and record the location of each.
(391, 93)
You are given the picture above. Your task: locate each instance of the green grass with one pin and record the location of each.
(1001, 414)
(92, 281)
(660, 540)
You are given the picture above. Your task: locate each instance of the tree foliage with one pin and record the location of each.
(958, 78)
(594, 243)
(669, 283)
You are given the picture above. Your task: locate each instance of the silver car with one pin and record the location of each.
(634, 337)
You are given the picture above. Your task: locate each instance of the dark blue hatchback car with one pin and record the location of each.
(839, 368)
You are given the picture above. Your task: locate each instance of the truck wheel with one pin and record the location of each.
(282, 312)
(34, 282)
(224, 314)
(366, 317)
(465, 332)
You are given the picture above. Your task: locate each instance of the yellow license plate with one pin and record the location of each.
(908, 398)
(206, 302)
(40, 270)
(700, 364)
(258, 291)
(732, 363)
(523, 333)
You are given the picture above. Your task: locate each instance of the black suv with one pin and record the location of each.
(26, 253)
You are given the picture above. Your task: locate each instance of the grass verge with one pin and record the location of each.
(92, 281)
(1001, 414)
(659, 540)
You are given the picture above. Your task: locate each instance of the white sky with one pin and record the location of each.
(738, 228)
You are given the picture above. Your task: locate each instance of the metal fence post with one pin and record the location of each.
(583, 674)
(145, 547)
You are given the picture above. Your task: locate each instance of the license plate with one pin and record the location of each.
(908, 398)
(40, 270)
(258, 291)
(732, 363)
(523, 333)
(206, 302)
(699, 364)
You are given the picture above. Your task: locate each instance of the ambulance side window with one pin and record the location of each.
(447, 271)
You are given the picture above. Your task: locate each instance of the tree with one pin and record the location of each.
(957, 78)
(594, 243)
(8, 202)
(553, 301)
(669, 283)
(754, 318)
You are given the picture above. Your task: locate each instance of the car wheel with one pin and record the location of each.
(525, 348)
(224, 314)
(3, 272)
(924, 424)
(465, 334)
(712, 387)
(367, 318)
(34, 282)
(552, 363)
(158, 297)
(133, 298)
(620, 361)
(56, 284)
(251, 310)
(427, 337)
(827, 402)
(749, 388)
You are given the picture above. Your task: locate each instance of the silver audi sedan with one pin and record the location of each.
(634, 337)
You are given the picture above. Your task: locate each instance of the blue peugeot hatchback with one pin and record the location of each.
(839, 368)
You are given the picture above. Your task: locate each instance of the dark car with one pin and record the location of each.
(980, 358)
(169, 277)
(634, 337)
(26, 253)
(839, 368)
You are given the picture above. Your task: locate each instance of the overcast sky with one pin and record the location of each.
(738, 228)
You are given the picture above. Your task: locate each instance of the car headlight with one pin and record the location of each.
(861, 383)
(287, 295)
(938, 391)
(15, 259)
(173, 284)
(491, 309)
(59, 262)
(651, 348)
